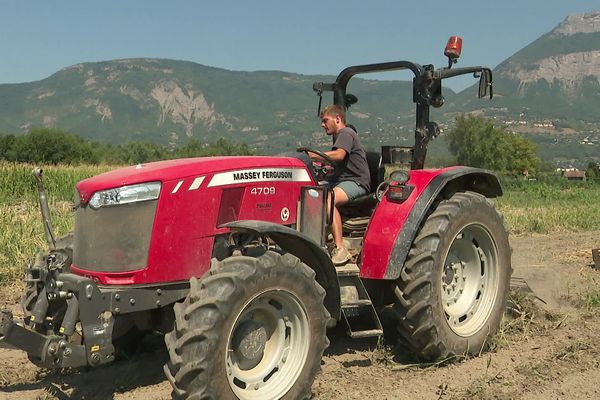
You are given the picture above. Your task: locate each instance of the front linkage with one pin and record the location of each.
(70, 318)
(79, 330)
(50, 339)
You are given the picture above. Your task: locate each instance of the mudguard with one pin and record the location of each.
(303, 247)
(393, 227)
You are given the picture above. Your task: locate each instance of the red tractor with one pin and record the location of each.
(227, 257)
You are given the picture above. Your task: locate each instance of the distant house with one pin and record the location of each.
(574, 175)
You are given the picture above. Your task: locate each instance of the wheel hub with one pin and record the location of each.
(453, 280)
(249, 343)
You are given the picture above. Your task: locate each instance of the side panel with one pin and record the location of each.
(393, 226)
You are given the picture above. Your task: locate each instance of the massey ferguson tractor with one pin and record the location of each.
(228, 258)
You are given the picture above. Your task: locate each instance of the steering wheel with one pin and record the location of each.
(327, 167)
(380, 191)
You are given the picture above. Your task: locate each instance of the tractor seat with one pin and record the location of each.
(369, 200)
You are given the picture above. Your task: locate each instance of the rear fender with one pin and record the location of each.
(303, 247)
(402, 222)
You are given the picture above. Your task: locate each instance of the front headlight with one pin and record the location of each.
(125, 194)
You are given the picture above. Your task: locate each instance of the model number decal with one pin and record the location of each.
(263, 190)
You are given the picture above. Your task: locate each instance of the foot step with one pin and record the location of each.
(357, 308)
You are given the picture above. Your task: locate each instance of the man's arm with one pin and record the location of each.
(336, 155)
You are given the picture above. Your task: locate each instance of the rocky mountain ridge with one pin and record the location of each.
(579, 23)
(549, 59)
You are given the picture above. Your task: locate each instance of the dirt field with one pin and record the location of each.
(549, 350)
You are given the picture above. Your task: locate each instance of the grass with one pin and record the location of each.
(21, 230)
(550, 207)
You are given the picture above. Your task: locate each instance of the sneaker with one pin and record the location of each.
(340, 256)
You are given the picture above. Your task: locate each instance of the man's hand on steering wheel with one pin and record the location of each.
(325, 167)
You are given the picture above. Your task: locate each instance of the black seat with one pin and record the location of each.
(374, 162)
(369, 200)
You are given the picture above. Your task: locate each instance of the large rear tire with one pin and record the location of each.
(452, 293)
(252, 328)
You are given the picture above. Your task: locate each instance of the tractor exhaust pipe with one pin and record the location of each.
(37, 173)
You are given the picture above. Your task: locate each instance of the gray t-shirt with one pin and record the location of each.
(354, 167)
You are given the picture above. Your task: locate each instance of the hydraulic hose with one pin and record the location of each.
(68, 325)
(37, 173)
(40, 309)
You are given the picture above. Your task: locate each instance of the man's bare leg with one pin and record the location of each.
(336, 225)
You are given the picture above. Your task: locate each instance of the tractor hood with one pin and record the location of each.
(163, 171)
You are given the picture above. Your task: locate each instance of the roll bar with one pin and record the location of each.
(427, 91)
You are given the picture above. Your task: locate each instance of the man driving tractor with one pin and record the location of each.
(353, 179)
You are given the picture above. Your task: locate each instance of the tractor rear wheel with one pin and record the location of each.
(251, 328)
(452, 293)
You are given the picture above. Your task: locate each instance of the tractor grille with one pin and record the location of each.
(113, 239)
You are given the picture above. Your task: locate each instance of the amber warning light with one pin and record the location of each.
(453, 49)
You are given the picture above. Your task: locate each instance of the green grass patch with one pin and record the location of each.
(550, 207)
(17, 183)
(21, 231)
(591, 299)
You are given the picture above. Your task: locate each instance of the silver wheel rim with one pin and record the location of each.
(267, 346)
(470, 280)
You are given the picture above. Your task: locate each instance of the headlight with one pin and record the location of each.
(125, 194)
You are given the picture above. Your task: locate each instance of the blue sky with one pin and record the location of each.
(38, 38)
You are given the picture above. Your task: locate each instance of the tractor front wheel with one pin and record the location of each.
(451, 296)
(252, 328)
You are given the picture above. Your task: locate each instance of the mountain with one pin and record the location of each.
(557, 76)
(170, 102)
(549, 90)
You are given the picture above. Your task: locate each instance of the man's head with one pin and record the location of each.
(333, 119)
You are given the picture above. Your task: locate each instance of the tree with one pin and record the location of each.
(136, 152)
(8, 148)
(220, 148)
(53, 146)
(593, 170)
(476, 142)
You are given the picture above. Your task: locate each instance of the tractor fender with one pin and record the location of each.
(303, 247)
(409, 221)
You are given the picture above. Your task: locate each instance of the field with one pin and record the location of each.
(547, 348)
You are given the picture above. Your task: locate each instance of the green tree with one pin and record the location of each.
(221, 147)
(8, 147)
(476, 142)
(593, 170)
(53, 146)
(140, 152)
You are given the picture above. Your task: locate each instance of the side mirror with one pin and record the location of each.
(485, 82)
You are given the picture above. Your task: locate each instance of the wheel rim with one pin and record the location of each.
(470, 280)
(267, 346)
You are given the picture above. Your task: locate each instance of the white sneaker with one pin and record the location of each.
(340, 256)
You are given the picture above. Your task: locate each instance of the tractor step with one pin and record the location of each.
(357, 309)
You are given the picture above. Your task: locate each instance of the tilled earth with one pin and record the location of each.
(549, 347)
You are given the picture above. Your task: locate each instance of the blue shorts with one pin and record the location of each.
(352, 189)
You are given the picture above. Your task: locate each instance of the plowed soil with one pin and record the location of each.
(549, 347)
